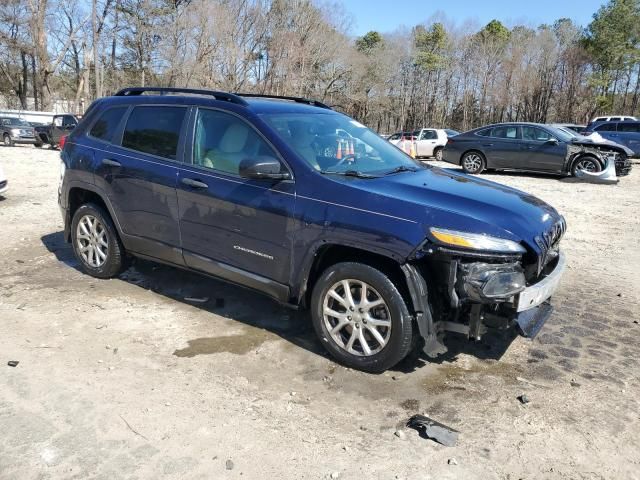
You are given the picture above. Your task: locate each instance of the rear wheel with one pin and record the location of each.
(587, 164)
(96, 243)
(473, 162)
(360, 317)
(438, 153)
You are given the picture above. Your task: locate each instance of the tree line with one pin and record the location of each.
(435, 74)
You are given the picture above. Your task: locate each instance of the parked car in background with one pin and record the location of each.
(625, 133)
(16, 131)
(386, 252)
(429, 142)
(616, 118)
(569, 126)
(4, 183)
(532, 147)
(61, 126)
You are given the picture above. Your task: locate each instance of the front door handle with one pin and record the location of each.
(487, 144)
(111, 163)
(194, 183)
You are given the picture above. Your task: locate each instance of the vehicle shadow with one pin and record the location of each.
(208, 294)
(258, 311)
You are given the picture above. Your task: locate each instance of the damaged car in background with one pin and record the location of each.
(536, 148)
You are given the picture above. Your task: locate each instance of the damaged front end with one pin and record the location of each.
(607, 152)
(456, 289)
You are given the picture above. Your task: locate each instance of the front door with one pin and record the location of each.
(541, 151)
(138, 171)
(233, 227)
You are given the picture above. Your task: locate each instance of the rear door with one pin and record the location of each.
(139, 171)
(539, 151)
(502, 147)
(426, 142)
(233, 227)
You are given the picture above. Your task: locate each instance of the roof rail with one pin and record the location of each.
(308, 101)
(229, 97)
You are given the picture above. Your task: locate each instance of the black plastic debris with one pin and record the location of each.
(524, 399)
(433, 430)
(13, 363)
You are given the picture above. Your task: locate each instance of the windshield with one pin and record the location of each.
(335, 143)
(562, 135)
(14, 122)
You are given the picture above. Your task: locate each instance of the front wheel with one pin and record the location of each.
(7, 140)
(96, 243)
(360, 317)
(473, 163)
(586, 164)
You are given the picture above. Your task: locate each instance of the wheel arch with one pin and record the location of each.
(79, 195)
(476, 150)
(578, 156)
(329, 254)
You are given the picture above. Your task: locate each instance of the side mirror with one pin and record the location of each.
(553, 141)
(262, 167)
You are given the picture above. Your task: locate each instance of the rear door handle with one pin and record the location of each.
(194, 183)
(111, 163)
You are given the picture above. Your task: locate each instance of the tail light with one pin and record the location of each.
(449, 141)
(62, 141)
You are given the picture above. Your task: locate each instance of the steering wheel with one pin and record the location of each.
(345, 158)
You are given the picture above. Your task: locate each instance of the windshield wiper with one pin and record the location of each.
(348, 173)
(401, 168)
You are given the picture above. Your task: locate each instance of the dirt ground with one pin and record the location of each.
(126, 378)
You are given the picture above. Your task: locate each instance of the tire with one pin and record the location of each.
(393, 322)
(587, 163)
(437, 153)
(114, 260)
(38, 144)
(7, 141)
(473, 162)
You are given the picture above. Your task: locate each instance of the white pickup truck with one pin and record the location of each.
(429, 142)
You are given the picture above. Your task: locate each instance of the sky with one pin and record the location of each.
(387, 15)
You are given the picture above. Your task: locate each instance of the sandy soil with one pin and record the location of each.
(126, 379)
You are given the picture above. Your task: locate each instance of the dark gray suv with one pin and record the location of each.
(14, 130)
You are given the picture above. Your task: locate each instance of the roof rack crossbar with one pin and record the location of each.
(229, 97)
(308, 101)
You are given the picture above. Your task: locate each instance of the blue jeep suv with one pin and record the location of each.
(288, 197)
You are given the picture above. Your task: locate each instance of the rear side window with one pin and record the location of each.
(601, 119)
(484, 133)
(429, 135)
(154, 130)
(505, 132)
(606, 127)
(107, 124)
(629, 127)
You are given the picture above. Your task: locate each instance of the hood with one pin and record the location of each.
(457, 201)
(602, 142)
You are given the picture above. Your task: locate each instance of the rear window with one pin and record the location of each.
(154, 130)
(629, 127)
(107, 124)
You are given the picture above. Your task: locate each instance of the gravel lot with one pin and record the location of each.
(125, 378)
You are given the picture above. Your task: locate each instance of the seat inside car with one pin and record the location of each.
(234, 146)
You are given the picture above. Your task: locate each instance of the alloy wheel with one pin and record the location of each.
(7, 141)
(472, 162)
(357, 317)
(587, 166)
(92, 241)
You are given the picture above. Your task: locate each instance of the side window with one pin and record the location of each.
(505, 132)
(601, 119)
(606, 127)
(69, 121)
(105, 127)
(154, 130)
(429, 135)
(222, 141)
(629, 127)
(484, 133)
(57, 121)
(395, 136)
(535, 134)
